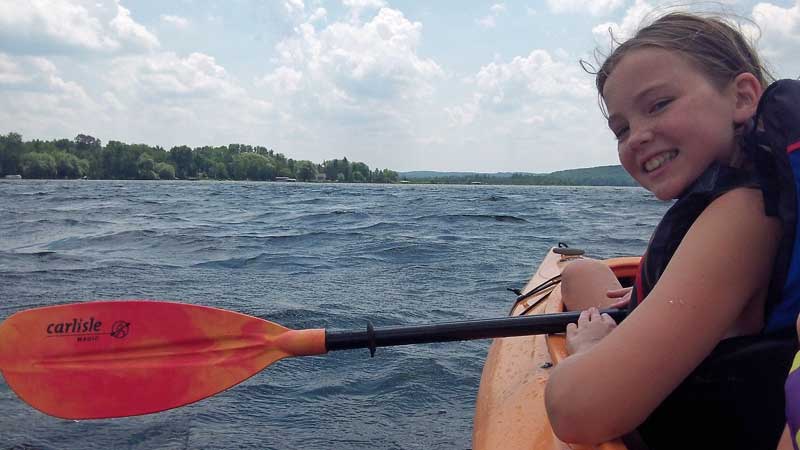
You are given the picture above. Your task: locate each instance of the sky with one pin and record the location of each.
(450, 85)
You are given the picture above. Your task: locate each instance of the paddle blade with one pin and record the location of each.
(130, 357)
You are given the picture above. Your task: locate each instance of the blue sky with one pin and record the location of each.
(406, 85)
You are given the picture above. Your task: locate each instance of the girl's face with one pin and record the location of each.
(671, 122)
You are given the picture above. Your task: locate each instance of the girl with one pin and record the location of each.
(688, 367)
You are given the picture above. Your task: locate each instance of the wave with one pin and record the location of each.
(475, 217)
(334, 215)
(495, 198)
(116, 238)
(267, 262)
(379, 226)
(40, 262)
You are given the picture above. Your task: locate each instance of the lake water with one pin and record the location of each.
(305, 256)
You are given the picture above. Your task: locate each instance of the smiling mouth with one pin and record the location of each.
(659, 160)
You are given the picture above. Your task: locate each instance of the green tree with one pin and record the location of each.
(252, 166)
(70, 166)
(165, 171)
(346, 169)
(306, 171)
(120, 161)
(361, 172)
(385, 176)
(218, 171)
(331, 169)
(38, 165)
(282, 168)
(181, 157)
(65, 145)
(86, 155)
(146, 167)
(90, 148)
(11, 149)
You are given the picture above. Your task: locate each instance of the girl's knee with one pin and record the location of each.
(582, 269)
(585, 282)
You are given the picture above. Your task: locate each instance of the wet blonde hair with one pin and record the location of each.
(716, 48)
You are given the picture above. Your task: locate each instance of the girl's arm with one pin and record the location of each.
(721, 267)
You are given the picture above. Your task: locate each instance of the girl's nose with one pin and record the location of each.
(639, 137)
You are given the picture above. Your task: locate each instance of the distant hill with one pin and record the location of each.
(430, 174)
(595, 176)
(591, 176)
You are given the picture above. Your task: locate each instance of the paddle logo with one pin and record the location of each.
(87, 329)
(120, 329)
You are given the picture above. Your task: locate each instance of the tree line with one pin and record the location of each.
(86, 156)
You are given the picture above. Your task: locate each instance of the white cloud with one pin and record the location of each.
(364, 4)
(113, 102)
(127, 30)
(284, 80)
(178, 22)
(487, 22)
(354, 82)
(38, 27)
(610, 33)
(317, 15)
(533, 111)
(780, 36)
(498, 8)
(357, 7)
(490, 21)
(294, 6)
(38, 100)
(10, 72)
(167, 76)
(348, 64)
(40, 75)
(188, 99)
(295, 9)
(782, 22)
(519, 88)
(593, 7)
(553, 135)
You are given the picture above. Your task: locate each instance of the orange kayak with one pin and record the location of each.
(510, 412)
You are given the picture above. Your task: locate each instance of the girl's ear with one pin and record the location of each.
(747, 90)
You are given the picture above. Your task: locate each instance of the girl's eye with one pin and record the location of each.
(620, 133)
(659, 105)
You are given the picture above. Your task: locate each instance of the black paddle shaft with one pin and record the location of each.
(456, 331)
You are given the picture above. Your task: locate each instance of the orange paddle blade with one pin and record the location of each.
(130, 357)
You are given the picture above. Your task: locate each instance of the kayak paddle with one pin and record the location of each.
(129, 357)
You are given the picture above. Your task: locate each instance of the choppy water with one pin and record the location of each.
(305, 256)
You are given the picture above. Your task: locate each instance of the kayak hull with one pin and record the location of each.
(510, 412)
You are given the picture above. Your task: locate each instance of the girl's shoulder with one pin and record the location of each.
(734, 225)
(741, 199)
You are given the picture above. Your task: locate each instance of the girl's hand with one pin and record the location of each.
(591, 328)
(624, 296)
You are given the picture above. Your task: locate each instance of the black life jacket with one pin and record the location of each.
(715, 181)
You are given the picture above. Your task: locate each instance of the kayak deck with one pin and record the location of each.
(510, 412)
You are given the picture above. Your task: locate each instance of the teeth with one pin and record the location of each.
(656, 162)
